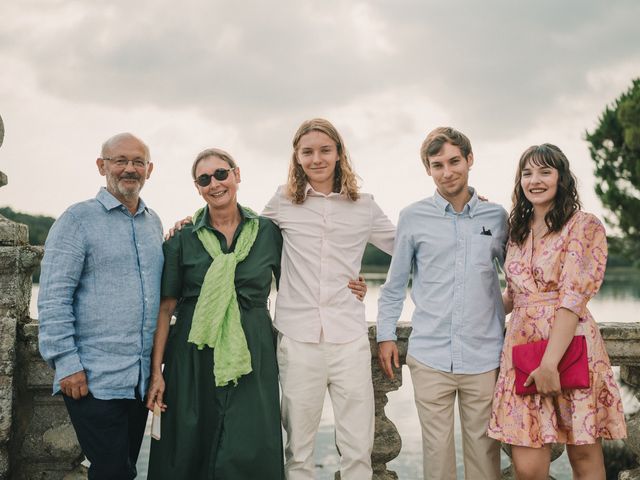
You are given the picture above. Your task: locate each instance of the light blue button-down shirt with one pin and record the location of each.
(100, 294)
(458, 320)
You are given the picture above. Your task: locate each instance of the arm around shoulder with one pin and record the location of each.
(272, 208)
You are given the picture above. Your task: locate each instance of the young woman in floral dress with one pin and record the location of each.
(555, 263)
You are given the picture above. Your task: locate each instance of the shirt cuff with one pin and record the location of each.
(573, 301)
(68, 365)
(385, 337)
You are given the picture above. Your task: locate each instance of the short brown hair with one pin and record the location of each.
(438, 137)
(212, 152)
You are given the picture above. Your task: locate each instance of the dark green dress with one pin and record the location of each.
(209, 432)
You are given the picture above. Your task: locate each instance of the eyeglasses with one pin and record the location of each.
(219, 174)
(122, 162)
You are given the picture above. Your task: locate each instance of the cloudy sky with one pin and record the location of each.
(243, 75)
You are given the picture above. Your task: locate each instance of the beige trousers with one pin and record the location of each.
(306, 371)
(435, 394)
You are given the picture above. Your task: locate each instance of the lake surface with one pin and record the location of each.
(617, 301)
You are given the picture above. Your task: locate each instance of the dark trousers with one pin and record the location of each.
(110, 433)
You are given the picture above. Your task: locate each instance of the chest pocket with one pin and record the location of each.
(481, 251)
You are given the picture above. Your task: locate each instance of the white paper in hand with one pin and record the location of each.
(155, 422)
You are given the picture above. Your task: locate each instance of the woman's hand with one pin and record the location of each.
(507, 301)
(156, 392)
(547, 380)
(358, 287)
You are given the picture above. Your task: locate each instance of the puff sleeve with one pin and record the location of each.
(585, 258)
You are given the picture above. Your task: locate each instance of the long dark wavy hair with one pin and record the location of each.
(566, 202)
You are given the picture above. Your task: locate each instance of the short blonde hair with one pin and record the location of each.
(212, 152)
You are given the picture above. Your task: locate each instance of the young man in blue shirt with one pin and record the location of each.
(451, 241)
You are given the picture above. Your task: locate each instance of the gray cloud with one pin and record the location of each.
(243, 75)
(495, 63)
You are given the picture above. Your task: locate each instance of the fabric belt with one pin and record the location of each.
(540, 299)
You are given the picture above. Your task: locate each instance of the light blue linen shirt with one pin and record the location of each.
(100, 294)
(458, 320)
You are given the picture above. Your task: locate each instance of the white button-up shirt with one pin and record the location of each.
(324, 240)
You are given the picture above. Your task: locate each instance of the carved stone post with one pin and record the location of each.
(17, 261)
(387, 442)
(37, 440)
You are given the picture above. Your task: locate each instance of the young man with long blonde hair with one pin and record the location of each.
(323, 343)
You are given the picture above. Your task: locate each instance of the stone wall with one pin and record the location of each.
(37, 440)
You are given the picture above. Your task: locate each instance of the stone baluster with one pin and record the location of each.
(387, 442)
(623, 347)
(631, 375)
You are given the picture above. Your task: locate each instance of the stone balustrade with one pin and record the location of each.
(623, 345)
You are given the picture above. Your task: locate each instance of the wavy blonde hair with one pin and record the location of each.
(344, 178)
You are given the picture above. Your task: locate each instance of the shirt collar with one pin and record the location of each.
(204, 221)
(444, 206)
(110, 202)
(309, 191)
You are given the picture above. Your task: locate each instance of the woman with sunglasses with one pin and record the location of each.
(555, 262)
(219, 387)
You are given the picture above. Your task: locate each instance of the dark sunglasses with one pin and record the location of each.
(219, 174)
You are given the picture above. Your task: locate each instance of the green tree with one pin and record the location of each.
(615, 148)
(375, 260)
(39, 225)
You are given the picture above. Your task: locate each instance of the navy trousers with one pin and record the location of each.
(110, 433)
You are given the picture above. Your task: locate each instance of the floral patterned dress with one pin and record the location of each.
(562, 270)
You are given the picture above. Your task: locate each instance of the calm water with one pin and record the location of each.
(618, 300)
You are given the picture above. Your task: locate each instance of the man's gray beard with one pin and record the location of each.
(128, 193)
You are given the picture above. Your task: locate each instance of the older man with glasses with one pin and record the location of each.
(98, 304)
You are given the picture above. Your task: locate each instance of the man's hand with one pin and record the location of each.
(156, 392)
(388, 351)
(75, 385)
(177, 226)
(358, 287)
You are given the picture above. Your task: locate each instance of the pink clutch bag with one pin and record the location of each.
(573, 368)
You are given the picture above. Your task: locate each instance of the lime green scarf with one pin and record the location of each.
(216, 320)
